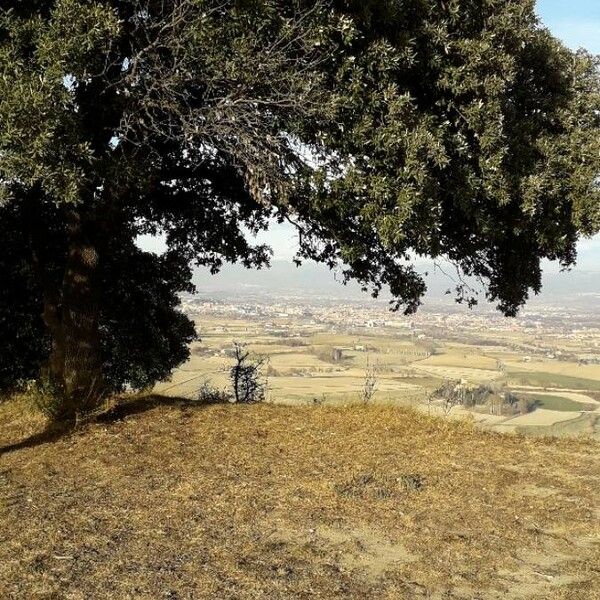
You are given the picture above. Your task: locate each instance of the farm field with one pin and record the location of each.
(561, 402)
(313, 363)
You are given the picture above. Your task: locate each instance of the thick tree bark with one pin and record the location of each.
(82, 374)
(71, 314)
(53, 371)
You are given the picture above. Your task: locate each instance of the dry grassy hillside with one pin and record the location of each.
(169, 500)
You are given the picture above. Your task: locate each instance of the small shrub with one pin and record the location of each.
(370, 382)
(249, 385)
(451, 393)
(208, 394)
(47, 399)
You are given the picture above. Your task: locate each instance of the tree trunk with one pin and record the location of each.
(80, 313)
(53, 371)
(74, 366)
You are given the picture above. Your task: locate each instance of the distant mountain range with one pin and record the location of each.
(314, 280)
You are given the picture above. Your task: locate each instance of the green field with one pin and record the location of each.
(542, 379)
(551, 402)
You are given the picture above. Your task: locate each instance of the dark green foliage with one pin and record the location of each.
(22, 333)
(474, 136)
(459, 129)
(143, 334)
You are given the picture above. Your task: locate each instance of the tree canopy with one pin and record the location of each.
(383, 130)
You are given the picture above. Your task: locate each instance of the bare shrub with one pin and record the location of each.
(371, 381)
(249, 383)
(451, 393)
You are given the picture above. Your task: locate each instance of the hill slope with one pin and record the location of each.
(168, 500)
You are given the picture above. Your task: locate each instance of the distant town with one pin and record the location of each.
(543, 330)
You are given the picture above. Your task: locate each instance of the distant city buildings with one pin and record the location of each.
(543, 333)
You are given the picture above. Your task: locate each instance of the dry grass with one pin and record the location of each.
(167, 500)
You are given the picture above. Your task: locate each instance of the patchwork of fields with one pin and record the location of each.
(312, 363)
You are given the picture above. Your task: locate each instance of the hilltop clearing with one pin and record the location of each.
(166, 499)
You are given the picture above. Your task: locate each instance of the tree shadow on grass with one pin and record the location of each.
(119, 411)
(47, 436)
(141, 404)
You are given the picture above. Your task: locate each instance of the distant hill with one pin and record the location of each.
(314, 280)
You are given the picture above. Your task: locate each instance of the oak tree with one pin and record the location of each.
(382, 129)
